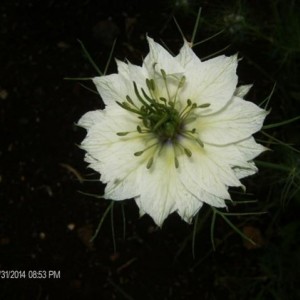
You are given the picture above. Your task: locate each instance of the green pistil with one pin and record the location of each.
(160, 116)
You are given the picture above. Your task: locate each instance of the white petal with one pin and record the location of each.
(213, 81)
(245, 172)
(112, 88)
(159, 58)
(206, 176)
(187, 205)
(115, 87)
(132, 73)
(191, 177)
(90, 118)
(250, 149)
(163, 193)
(113, 155)
(237, 156)
(235, 122)
(242, 90)
(157, 192)
(187, 58)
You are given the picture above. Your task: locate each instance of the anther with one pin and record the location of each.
(163, 73)
(187, 151)
(176, 162)
(149, 163)
(181, 82)
(129, 100)
(139, 153)
(204, 105)
(150, 84)
(122, 133)
(200, 142)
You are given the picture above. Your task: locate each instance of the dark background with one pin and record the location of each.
(46, 222)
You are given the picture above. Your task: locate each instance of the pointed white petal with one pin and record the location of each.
(203, 184)
(242, 90)
(237, 156)
(112, 88)
(237, 121)
(187, 58)
(250, 149)
(162, 191)
(113, 155)
(187, 205)
(132, 73)
(90, 118)
(245, 172)
(157, 191)
(213, 81)
(206, 176)
(159, 58)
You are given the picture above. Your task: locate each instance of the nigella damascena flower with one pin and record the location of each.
(175, 132)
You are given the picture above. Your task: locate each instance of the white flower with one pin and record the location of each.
(175, 132)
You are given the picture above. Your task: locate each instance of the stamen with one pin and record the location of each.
(122, 133)
(139, 96)
(129, 100)
(164, 75)
(181, 82)
(149, 163)
(176, 162)
(199, 142)
(139, 153)
(184, 111)
(126, 106)
(187, 151)
(196, 139)
(204, 105)
(146, 96)
(150, 84)
(140, 130)
(187, 110)
(180, 85)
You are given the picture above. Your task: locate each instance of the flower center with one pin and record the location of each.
(163, 121)
(162, 116)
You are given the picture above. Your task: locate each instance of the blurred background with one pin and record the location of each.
(47, 220)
